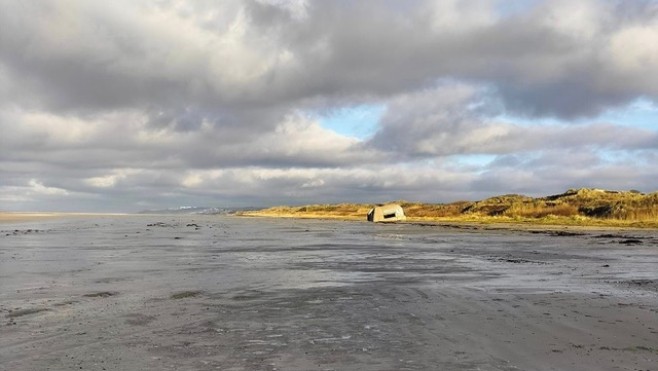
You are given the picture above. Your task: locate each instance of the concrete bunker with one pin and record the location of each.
(386, 213)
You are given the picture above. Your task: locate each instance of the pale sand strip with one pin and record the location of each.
(11, 217)
(18, 217)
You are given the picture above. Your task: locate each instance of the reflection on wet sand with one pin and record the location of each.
(207, 293)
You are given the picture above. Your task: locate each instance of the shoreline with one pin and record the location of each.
(14, 217)
(484, 223)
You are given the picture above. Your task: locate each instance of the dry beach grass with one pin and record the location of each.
(576, 207)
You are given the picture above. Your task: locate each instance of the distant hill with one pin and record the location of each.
(199, 210)
(575, 205)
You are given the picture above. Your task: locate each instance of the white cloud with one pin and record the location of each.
(450, 16)
(112, 179)
(633, 51)
(581, 20)
(39, 189)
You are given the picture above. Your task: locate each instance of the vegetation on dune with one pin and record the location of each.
(343, 211)
(583, 206)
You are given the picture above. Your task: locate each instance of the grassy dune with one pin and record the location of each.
(579, 207)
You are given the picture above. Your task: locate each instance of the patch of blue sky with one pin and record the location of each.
(472, 161)
(622, 157)
(611, 156)
(513, 7)
(359, 121)
(642, 113)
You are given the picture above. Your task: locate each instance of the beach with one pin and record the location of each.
(14, 217)
(191, 292)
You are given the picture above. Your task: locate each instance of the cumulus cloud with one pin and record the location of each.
(128, 104)
(456, 119)
(559, 58)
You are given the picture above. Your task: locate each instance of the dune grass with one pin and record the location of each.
(577, 207)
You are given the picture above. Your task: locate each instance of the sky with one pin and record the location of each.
(121, 106)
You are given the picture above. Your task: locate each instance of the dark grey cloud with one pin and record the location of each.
(454, 119)
(558, 58)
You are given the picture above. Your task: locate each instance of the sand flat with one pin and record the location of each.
(208, 293)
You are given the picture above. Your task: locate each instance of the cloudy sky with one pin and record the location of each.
(127, 105)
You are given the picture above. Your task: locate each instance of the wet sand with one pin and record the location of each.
(222, 293)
